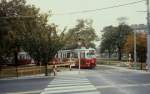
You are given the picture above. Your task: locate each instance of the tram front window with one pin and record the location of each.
(90, 55)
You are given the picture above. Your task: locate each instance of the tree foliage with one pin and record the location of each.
(83, 32)
(23, 27)
(141, 46)
(113, 39)
(108, 39)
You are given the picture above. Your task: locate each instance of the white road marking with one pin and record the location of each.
(74, 89)
(68, 84)
(71, 85)
(122, 85)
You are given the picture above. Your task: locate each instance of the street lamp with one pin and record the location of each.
(135, 46)
(148, 36)
(79, 45)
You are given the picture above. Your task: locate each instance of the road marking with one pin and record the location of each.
(90, 92)
(63, 82)
(125, 69)
(70, 85)
(121, 85)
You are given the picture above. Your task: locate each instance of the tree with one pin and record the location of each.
(8, 12)
(83, 32)
(23, 27)
(113, 39)
(141, 46)
(122, 32)
(108, 40)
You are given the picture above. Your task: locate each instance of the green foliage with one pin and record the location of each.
(114, 38)
(23, 27)
(83, 32)
(108, 39)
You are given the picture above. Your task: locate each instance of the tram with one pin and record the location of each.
(86, 57)
(24, 58)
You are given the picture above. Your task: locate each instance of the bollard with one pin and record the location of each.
(129, 61)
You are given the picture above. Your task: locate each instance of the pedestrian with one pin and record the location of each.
(129, 59)
(70, 66)
(146, 67)
(54, 69)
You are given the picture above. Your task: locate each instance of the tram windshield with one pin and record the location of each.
(91, 54)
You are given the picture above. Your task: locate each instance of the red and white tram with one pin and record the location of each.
(86, 57)
(24, 58)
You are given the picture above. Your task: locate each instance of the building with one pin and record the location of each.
(139, 27)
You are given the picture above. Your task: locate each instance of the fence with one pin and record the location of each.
(28, 70)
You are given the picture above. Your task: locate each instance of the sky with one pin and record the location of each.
(101, 18)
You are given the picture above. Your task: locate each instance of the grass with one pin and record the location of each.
(107, 61)
(123, 63)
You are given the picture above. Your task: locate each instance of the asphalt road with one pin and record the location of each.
(106, 80)
(20, 86)
(114, 81)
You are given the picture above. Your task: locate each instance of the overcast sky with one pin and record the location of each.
(100, 18)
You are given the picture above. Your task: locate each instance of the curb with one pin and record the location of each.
(73, 72)
(27, 77)
(125, 69)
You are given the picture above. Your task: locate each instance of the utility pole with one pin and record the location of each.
(135, 46)
(148, 37)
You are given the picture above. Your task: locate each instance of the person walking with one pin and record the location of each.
(54, 69)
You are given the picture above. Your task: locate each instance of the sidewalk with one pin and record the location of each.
(125, 69)
(26, 77)
(65, 72)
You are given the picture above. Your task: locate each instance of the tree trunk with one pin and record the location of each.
(119, 54)
(46, 71)
(109, 54)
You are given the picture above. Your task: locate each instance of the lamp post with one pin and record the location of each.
(148, 36)
(135, 46)
(79, 44)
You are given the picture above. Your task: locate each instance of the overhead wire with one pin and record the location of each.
(99, 9)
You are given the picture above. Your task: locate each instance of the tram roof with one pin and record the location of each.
(20, 53)
(82, 48)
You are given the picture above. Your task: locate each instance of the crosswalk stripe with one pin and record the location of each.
(70, 79)
(67, 84)
(71, 87)
(89, 92)
(55, 82)
(69, 90)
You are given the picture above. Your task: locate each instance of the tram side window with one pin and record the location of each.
(68, 55)
(75, 55)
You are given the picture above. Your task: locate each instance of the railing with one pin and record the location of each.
(30, 70)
